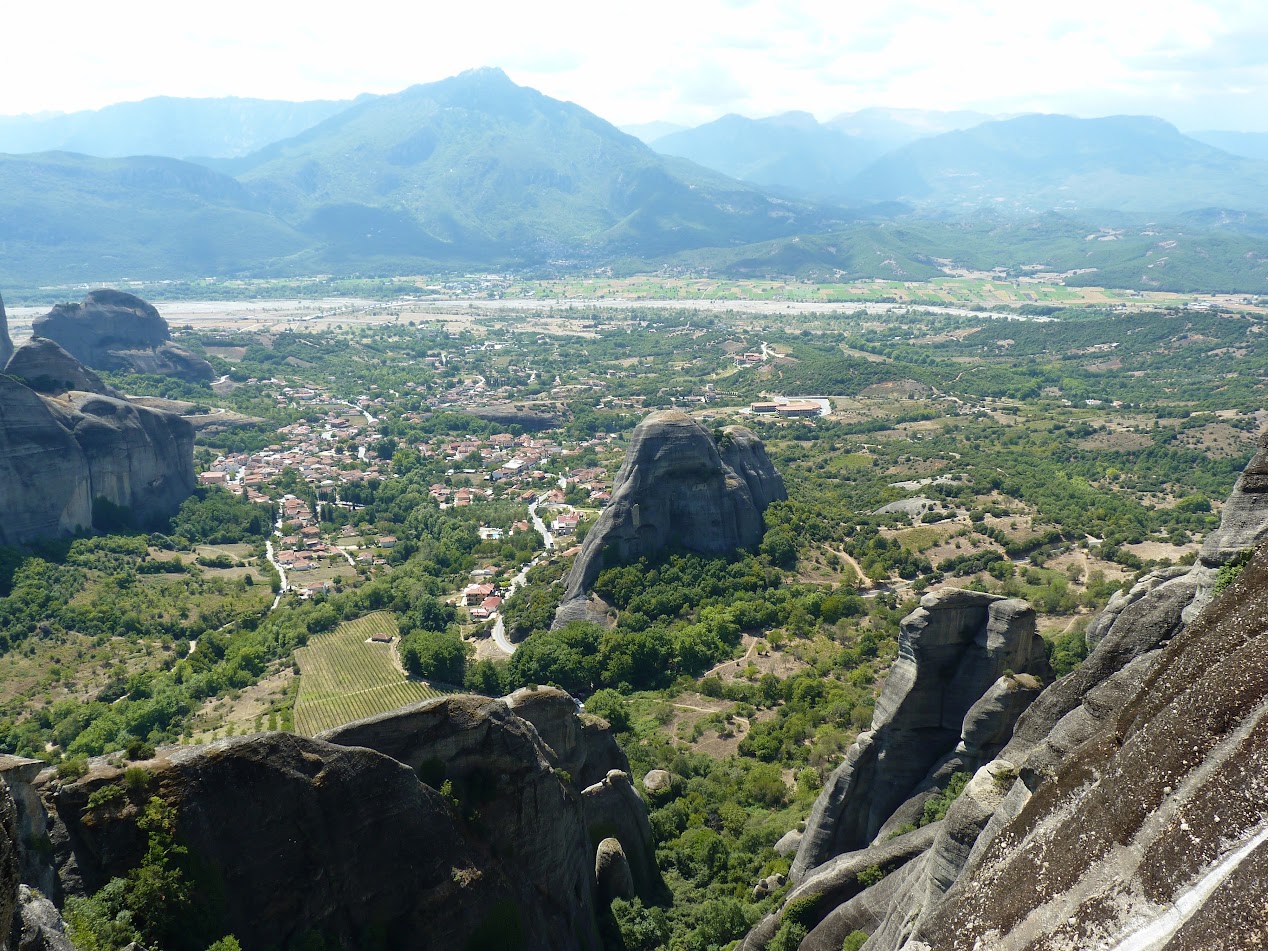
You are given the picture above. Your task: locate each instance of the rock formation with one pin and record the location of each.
(1123, 785)
(59, 456)
(679, 487)
(113, 331)
(6, 342)
(947, 706)
(506, 857)
(46, 368)
(8, 864)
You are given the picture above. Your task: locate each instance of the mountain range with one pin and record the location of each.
(477, 172)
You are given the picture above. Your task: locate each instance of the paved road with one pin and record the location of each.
(499, 627)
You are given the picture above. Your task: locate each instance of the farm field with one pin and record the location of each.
(344, 677)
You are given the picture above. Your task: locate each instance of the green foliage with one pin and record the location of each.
(435, 655)
(215, 516)
(1067, 651)
(145, 906)
(871, 876)
(937, 806)
(854, 940)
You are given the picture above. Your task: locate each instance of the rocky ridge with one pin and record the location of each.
(1121, 786)
(60, 455)
(679, 487)
(119, 332)
(68, 442)
(46, 367)
(512, 854)
(6, 342)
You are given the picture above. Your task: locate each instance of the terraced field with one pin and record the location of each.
(345, 677)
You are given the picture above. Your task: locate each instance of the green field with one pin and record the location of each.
(345, 678)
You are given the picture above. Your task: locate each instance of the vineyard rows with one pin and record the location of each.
(344, 677)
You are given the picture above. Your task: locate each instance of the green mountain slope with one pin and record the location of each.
(172, 127)
(73, 218)
(1038, 162)
(792, 151)
(478, 168)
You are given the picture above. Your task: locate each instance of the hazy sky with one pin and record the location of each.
(1199, 64)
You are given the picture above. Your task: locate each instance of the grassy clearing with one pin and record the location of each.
(344, 677)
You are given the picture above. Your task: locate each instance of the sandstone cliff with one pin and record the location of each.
(1123, 786)
(47, 368)
(118, 332)
(347, 836)
(677, 488)
(945, 707)
(59, 455)
(6, 343)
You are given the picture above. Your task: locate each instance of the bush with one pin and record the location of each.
(433, 655)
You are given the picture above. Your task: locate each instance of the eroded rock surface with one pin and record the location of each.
(679, 487)
(6, 342)
(59, 455)
(47, 368)
(119, 332)
(1122, 785)
(943, 696)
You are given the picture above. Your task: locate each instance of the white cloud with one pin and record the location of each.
(682, 61)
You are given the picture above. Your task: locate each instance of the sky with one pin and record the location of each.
(1201, 65)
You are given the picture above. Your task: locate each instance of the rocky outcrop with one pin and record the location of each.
(59, 456)
(612, 871)
(1171, 786)
(511, 854)
(46, 368)
(529, 792)
(18, 774)
(946, 707)
(8, 865)
(580, 744)
(1122, 785)
(118, 332)
(39, 925)
(6, 342)
(679, 487)
(377, 851)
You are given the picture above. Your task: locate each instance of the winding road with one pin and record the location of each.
(499, 626)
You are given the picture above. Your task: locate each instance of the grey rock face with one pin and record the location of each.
(44, 485)
(58, 455)
(579, 743)
(8, 864)
(612, 872)
(40, 926)
(31, 821)
(46, 368)
(837, 881)
(1244, 519)
(612, 808)
(6, 342)
(1167, 782)
(678, 488)
(115, 331)
(952, 650)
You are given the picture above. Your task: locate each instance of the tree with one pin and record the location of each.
(434, 655)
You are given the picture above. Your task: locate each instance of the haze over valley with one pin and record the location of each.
(742, 477)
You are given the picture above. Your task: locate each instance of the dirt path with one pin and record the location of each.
(865, 583)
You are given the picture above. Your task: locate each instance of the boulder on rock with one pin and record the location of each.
(612, 874)
(680, 487)
(47, 368)
(119, 332)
